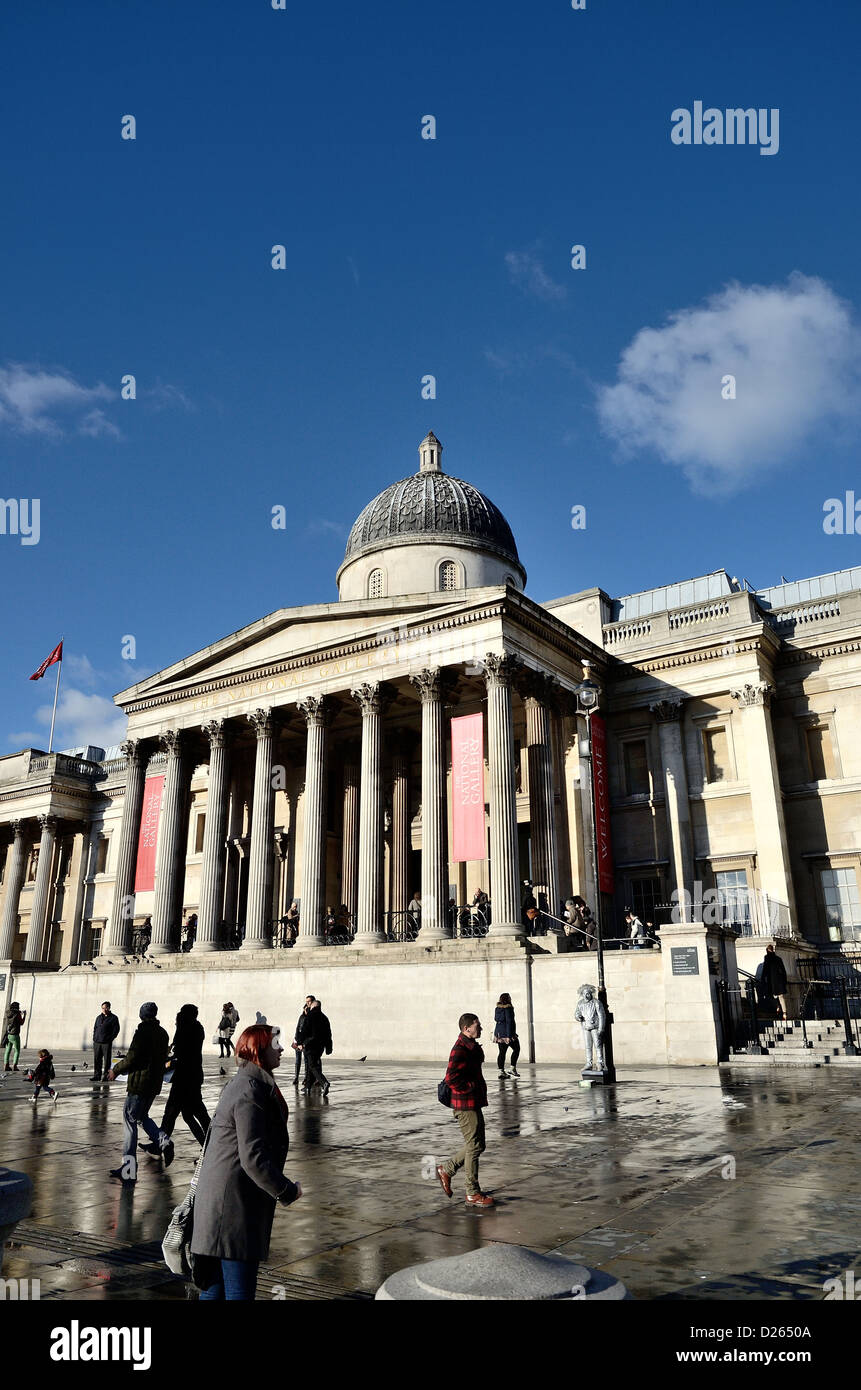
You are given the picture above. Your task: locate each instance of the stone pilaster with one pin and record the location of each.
(504, 861)
(371, 698)
(170, 853)
(122, 915)
(209, 921)
(668, 713)
(16, 867)
(258, 929)
(539, 693)
(435, 925)
(350, 839)
(317, 712)
(42, 888)
(766, 800)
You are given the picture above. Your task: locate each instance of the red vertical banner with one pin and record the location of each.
(148, 838)
(602, 804)
(467, 788)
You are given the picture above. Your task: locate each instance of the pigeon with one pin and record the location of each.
(73, 1067)
(363, 1059)
(221, 1071)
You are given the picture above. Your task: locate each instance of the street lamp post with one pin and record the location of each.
(588, 694)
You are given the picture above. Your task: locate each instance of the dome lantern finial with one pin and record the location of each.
(430, 452)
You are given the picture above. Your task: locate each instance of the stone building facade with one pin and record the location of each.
(308, 756)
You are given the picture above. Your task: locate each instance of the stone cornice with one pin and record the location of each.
(693, 658)
(793, 656)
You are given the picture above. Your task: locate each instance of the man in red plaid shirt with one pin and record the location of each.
(468, 1097)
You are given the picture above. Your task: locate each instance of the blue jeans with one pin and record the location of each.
(136, 1112)
(238, 1282)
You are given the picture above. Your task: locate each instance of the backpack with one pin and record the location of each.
(443, 1094)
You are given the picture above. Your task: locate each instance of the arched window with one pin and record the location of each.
(449, 575)
(376, 584)
(509, 579)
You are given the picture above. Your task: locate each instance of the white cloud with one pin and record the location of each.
(96, 423)
(32, 399)
(795, 351)
(84, 718)
(163, 396)
(527, 272)
(322, 526)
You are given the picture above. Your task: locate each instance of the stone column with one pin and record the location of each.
(39, 909)
(435, 925)
(400, 890)
(504, 898)
(371, 698)
(539, 693)
(122, 915)
(16, 867)
(317, 712)
(170, 853)
(668, 713)
(86, 839)
(766, 800)
(350, 838)
(209, 919)
(258, 933)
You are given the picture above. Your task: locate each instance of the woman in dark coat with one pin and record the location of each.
(505, 1035)
(773, 978)
(185, 1097)
(242, 1171)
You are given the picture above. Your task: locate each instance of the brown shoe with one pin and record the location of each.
(479, 1199)
(445, 1180)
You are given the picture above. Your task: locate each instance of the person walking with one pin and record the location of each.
(226, 1028)
(297, 1040)
(185, 1096)
(316, 1039)
(505, 1035)
(241, 1175)
(105, 1029)
(144, 1063)
(773, 979)
(44, 1075)
(637, 931)
(468, 1098)
(12, 1025)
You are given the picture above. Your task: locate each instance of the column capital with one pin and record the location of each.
(47, 822)
(172, 742)
(18, 828)
(372, 696)
(317, 710)
(133, 751)
(759, 694)
(500, 668)
(432, 683)
(216, 733)
(669, 710)
(538, 687)
(262, 721)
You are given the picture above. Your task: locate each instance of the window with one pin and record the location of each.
(636, 761)
(646, 893)
(102, 854)
(198, 833)
(733, 897)
(449, 575)
(715, 755)
(376, 584)
(820, 752)
(842, 906)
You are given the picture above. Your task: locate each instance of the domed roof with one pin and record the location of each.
(428, 505)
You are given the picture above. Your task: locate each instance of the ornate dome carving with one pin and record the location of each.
(429, 506)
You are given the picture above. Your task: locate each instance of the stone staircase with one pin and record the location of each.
(786, 1047)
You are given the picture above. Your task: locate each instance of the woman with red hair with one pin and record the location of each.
(242, 1172)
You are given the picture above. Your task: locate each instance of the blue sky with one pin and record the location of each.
(406, 256)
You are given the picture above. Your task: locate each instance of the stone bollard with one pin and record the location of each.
(16, 1199)
(500, 1271)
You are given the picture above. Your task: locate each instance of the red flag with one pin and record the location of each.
(56, 655)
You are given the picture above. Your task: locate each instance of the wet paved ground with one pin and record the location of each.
(630, 1179)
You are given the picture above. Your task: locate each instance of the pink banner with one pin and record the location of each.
(602, 804)
(467, 788)
(148, 838)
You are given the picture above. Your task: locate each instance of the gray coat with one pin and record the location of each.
(242, 1173)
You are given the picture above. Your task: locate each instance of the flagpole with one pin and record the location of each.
(54, 710)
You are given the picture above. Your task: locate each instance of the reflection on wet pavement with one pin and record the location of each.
(682, 1183)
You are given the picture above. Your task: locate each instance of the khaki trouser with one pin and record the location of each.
(472, 1128)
